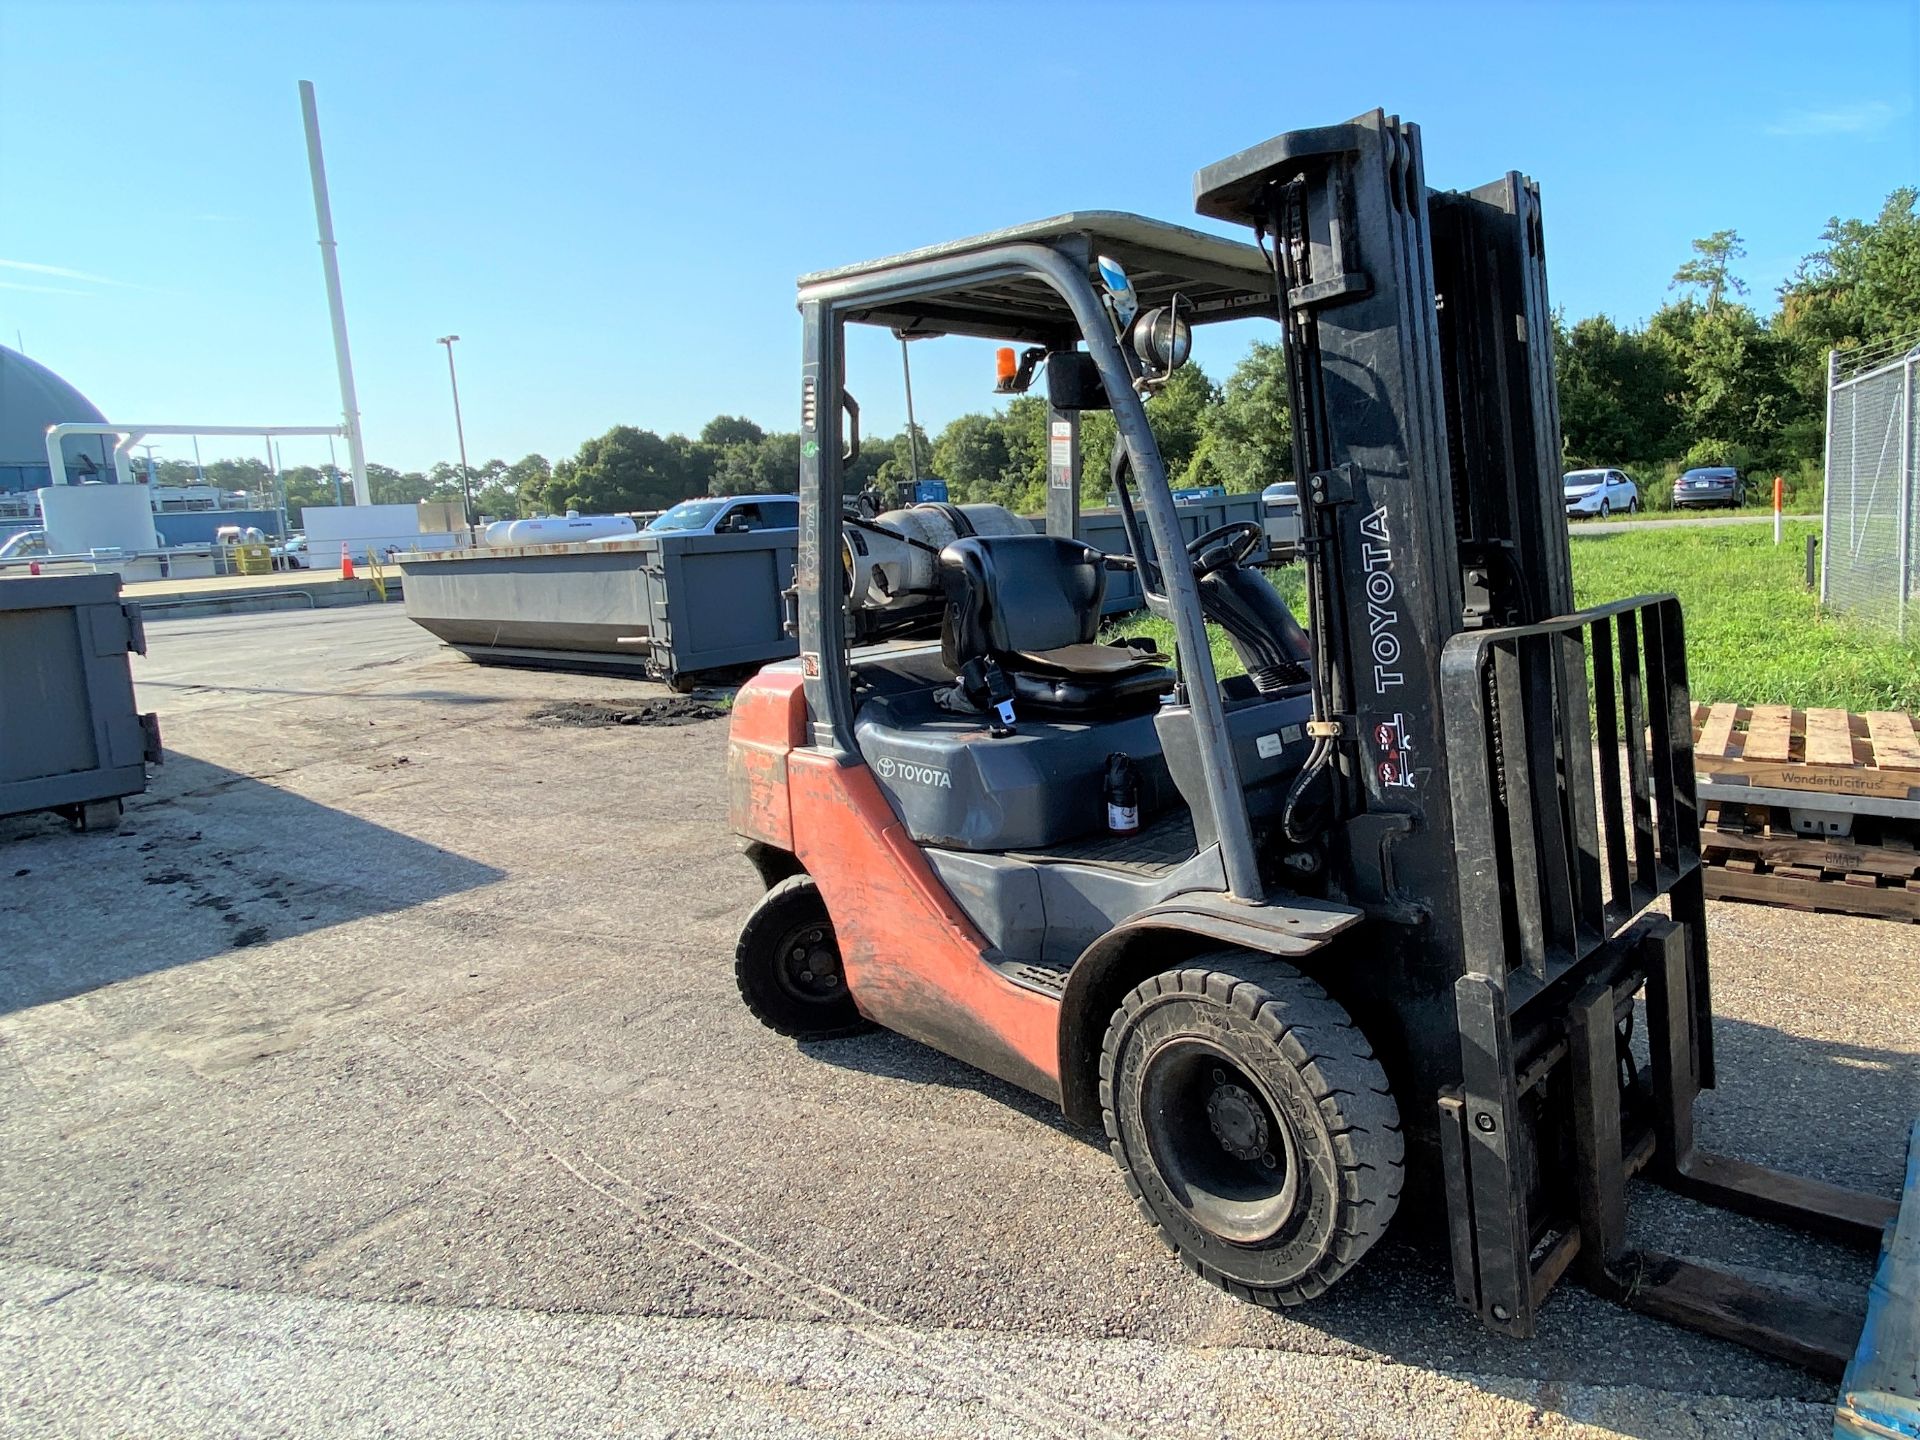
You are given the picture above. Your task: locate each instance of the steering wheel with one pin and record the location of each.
(1225, 545)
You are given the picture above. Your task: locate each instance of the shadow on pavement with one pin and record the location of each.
(209, 860)
(1782, 1091)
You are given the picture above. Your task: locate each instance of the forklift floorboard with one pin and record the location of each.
(1157, 848)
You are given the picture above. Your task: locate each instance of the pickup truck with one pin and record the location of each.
(728, 515)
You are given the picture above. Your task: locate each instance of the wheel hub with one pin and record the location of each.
(1219, 1143)
(810, 966)
(1237, 1121)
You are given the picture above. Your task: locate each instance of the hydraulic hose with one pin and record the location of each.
(1307, 811)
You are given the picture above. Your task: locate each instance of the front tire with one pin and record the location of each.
(787, 965)
(1605, 509)
(1255, 1127)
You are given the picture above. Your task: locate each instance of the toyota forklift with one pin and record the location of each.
(1398, 895)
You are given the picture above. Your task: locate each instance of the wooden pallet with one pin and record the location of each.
(1830, 752)
(1729, 836)
(1750, 858)
(1798, 887)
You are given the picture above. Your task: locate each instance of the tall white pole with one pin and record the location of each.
(330, 262)
(1826, 480)
(1903, 566)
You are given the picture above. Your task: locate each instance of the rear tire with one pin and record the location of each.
(787, 965)
(1253, 1124)
(1633, 505)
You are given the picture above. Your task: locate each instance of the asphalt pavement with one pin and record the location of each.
(385, 1076)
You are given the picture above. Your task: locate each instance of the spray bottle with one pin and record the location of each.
(1123, 794)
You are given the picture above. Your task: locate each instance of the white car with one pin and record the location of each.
(1282, 506)
(1599, 492)
(293, 554)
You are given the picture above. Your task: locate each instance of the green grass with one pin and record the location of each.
(1754, 632)
(1809, 507)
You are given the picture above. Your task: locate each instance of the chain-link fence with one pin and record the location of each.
(1871, 516)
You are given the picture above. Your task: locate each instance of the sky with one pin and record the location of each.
(609, 202)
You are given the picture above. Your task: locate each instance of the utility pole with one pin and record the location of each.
(466, 475)
(336, 307)
(913, 431)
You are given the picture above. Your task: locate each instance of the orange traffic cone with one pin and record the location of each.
(346, 562)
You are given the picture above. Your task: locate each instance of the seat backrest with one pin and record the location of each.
(1009, 593)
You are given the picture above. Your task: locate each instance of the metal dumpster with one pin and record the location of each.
(669, 607)
(70, 737)
(666, 606)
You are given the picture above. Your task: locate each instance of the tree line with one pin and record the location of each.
(1708, 379)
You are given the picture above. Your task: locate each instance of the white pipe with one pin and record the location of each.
(336, 307)
(123, 456)
(56, 452)
(1826, 475)
(1903, 564)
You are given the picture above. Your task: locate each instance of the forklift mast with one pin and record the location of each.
(1426, 439)
(1509, 784)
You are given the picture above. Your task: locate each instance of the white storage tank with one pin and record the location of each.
(79, 518)
(565, 529)
(887, 570)
(496, 533)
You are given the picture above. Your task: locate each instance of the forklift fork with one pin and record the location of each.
(1704, 1297)
(1543, 1131)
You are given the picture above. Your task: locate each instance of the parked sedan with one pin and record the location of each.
(1709, 485)
(1599, 492)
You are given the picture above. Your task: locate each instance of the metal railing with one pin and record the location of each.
(1871, 514)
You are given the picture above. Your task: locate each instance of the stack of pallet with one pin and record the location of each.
(1854, 777)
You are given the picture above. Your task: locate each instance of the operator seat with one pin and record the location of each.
(1030, 606)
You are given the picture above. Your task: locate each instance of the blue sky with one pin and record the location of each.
(609, 202)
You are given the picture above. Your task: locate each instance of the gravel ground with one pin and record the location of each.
(384, 1076)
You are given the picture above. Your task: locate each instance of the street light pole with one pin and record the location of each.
(466, 475)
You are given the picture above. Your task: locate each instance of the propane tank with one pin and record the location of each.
(889, 571)
(1123, 794)
(566, 529)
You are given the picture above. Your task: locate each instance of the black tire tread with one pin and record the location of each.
(1346, 1079)
(793, 901)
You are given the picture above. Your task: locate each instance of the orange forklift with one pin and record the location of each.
(1377, 911)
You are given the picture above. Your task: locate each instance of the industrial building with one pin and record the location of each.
(32, 398)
